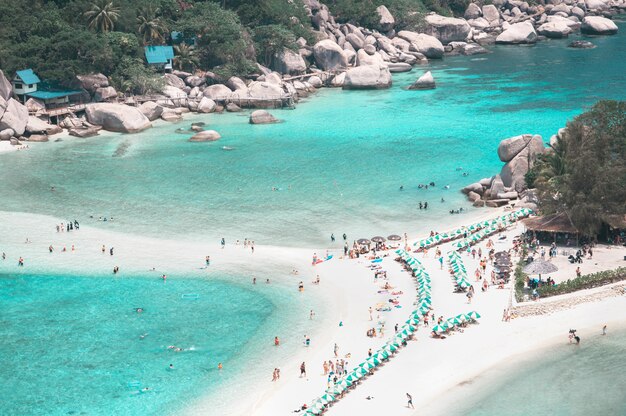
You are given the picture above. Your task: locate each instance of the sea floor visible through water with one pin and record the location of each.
(337, 161)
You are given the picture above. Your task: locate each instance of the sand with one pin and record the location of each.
(426, 368)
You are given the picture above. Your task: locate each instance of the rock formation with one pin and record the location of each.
(425, 82)
(262, 117)
(117, 117)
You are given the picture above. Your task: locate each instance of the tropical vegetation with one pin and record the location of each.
(62, 38)
(584, 172)
(587, 281)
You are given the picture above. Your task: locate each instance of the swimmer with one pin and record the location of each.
(171, 367)
(446, 187)
(402, 187)
(143, 336)
(139, 310)
(164, 277)
(219, 366)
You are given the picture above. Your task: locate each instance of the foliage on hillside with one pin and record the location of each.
(62, 38)
(585, 172)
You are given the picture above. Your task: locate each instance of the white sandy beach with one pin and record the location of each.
(426, 368)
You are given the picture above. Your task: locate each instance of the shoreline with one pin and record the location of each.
(344, 294)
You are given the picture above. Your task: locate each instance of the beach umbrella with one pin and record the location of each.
(440, 328)
(353, 376)
(461, 317)
(454, 321)
(337, 389)
(326, 398)
(361, 371)
(540, 267)
(379, 239)
(367, 364)
(373, 360)
(363, 241)
(381, 355)
(391, 347)
(473, 315)
(394, 237)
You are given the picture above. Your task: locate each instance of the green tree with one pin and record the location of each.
(271, 40)
(185, 57)
(102, 16)
(133, 76)
(585, 173)
(151, 28)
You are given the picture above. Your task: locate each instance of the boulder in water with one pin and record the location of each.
(581, 44)
(554, 30)
(151, 110)
(262, 117)
(518, 33)
(367, 77)
(596, 25)
(205, 136)
(425, 82)
(447, 29)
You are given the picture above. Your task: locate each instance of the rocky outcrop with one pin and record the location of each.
(329, 56)
(428, 45)
(151, 110)
(289, 62)
(581, 44)
(262, 117)
(206, 105)
(105, 94)
(14, 116)
(37, 126)
(386, 22)
(205, 136)
(519, 153)
(399, 67)
(91, 82)
(447, 29)
(596, 25)
(117, 117)
(173, 92)
(425, 82)
(217, 91)
(174, 81)
(6, 89)
(555, 30)
(473, 11)
(367, 77)
(518, 33)
(84, 132)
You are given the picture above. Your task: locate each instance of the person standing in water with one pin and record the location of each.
(604, 330)
(332, 237)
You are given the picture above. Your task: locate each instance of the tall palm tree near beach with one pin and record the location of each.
(102, 16)
(185, 57)
(151, 27)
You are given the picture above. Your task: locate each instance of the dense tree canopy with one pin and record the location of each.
(585, 172)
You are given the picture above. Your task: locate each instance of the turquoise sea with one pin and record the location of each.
(71, 342)
(338, 159)
(564, 380)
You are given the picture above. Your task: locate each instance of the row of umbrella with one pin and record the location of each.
(456, 321)
(459, 273)
(453, 235)
(391, 346)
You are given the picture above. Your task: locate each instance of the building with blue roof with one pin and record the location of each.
(25, 81)
(160, 57)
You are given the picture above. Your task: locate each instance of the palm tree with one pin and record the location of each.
(102, 15)
(185, 57)
(151, 27)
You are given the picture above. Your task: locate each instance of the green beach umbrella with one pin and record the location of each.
(391, 347)
(381, 355)
(326, 398)
(474, 315)
(454, 321)
(367, 364)
(375, 361)
(360, 371)
(440, 328)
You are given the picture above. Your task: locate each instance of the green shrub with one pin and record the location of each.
(587, 281)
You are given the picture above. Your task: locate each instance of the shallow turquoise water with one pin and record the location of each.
(71, 345)
(339, 158)
(566, 380)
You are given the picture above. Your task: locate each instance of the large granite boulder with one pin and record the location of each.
(15, 116)
(91, 82)
(105, 94)
(425, 82)
(173, 92)
(38, 126)
(367, 77)
(596, 5)
(329, 56)
(6, 134)
(174, 81)
(84, 132)
(396, 67)
(491, 13)
(474, 187)
(365, 59)
(518, 33)
(194, 81)
(262, 117)
(427, 45)
(511, 147)
(264, 89)
(386, 22)
(447, 29)
(289, 62)
(473, 11)
(117, 117)
(217, 92)
(206, 105)
(520, 154)
(6, 89)
(151, 110)
(236, 83)
(357, 42)
(596, 25)
(554, 30)
(205, 136)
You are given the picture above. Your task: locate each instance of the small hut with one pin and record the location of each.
(556, 227)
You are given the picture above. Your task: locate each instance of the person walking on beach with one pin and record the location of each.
(336, 349)
(604, 330)
(302, 370)
(409, 401)
(332, 238)
(111, 250)
(207, 259)
(223, 242)
(274, 376)
(370, 311)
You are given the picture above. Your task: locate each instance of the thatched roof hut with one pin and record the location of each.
(553, 223)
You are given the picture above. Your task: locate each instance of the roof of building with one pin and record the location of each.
(159, 54)
(48, 95)
(28, 76)
(553, 223)
(616, 221)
